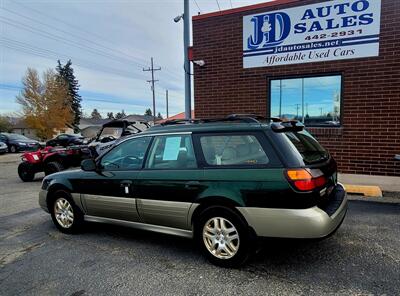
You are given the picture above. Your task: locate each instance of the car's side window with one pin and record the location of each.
(233, 150)
(128, 155)
(172, 152)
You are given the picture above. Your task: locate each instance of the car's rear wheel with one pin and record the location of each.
(26, 172)
(53, 167)
(223, 236)
(67, 217)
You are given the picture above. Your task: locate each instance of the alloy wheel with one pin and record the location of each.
(64, 213)
(221, 238)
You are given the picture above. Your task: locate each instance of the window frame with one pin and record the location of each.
(148, 152)
(274, 161)
(313, 75)
(100, 158)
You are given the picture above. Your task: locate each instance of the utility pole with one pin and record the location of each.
(166, 99)
(297, 110)
(186, 43)
(152, 69)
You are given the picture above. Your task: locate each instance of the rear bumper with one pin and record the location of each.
(298, 223)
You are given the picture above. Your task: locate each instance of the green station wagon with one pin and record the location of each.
(223, 182)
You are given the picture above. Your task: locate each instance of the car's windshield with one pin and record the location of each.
(310, 150)
(114, 132)
(18, 137)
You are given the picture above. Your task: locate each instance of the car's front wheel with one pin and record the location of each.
(67, 217)
(12, 149)
(223, 236)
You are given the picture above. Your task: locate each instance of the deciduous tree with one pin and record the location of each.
(46, 104)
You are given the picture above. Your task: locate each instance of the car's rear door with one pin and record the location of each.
(169, 182)
(110, 192)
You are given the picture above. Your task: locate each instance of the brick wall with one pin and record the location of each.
(370, 133)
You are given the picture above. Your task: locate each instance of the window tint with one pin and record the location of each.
(310, 150)
(220, 150)
(129, 155)
(172, 152)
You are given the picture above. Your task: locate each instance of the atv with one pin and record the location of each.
(51, 160)
(55, 159)
(112, 131)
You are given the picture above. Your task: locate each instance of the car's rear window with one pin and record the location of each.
(233, 150)
(308, 147)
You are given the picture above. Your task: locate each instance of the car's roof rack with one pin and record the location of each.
(244, 118)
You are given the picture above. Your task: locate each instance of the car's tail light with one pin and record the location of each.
(306, 179)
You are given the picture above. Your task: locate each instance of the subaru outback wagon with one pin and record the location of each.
(224, 182)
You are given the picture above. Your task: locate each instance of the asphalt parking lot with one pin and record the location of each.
(362, 258)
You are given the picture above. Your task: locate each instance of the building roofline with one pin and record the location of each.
(242, 9)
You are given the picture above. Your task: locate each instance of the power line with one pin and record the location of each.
(49, 54)
(79, 29)
(195, 2)
(71, 34)
(152, 81)
(70, 42)
(60, 39)
(219, 8)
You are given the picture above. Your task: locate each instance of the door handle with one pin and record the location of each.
(126, 184)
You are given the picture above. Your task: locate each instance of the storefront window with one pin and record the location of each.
(315, 101)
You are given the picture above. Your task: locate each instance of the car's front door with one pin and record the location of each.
(169, 182)
(110, 192)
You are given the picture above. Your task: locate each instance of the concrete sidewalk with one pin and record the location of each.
(391, 184)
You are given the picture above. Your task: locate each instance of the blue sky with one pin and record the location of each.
(109, 43)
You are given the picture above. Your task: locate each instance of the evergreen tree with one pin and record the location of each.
(120, 115)
(95, 114)
(148, 112)
(66, 72)
(159, 116)
(110, 115)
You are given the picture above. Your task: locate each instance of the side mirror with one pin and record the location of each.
(88, 165)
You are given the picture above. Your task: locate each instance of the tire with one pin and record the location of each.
(66, 216)
(53, 167)
(12, 149)
(215, 244)
(26, 172)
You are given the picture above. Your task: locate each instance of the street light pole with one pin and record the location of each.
(166, 99)
(186, 44)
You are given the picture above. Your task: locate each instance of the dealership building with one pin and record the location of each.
(334, 65)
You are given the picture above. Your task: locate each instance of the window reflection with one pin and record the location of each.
(315, 101)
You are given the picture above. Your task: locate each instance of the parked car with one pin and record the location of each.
(65, 140)
(223, 182)
(3, 148)
(18, 143)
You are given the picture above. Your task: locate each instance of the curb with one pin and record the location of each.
(367, 191)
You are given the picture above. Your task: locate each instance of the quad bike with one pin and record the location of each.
(55, 159)
(50, 160)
